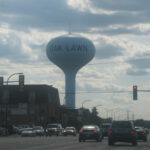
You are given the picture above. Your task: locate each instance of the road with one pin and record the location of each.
(64, 143)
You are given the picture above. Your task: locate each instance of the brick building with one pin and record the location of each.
(35, 104)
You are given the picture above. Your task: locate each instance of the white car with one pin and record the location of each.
(38, 130)
(28, 132)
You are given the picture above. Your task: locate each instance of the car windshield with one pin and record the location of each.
(69, 128)
(121, 124)
(139, 128)
(28, 130)
(37, 128)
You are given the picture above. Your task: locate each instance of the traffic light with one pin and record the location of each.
(21, 82)
(1, 81)
(134, 92)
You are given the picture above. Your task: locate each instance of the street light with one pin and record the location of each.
(19, 73)
(6, 111)
(85, 101)
(96, 106)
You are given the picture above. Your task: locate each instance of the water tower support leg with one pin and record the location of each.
(70, 89)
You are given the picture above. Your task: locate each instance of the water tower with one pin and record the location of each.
(70, 53)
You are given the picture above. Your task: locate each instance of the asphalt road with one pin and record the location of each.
(64, 143)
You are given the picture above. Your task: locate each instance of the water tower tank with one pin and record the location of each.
(70, 53)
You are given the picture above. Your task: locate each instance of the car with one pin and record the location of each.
(70, 131)
(3, 131)
(105, 127)
(28, 132)
(39, 130)
(54, 129)
(20, 128)
(90, 132)
(147, 131)
(141, 133)
(122, 131)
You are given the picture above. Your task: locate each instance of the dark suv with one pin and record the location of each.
(54, 129)
(122, 131)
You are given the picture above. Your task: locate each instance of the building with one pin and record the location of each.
(34, 104)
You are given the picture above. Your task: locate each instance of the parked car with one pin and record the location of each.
(141, 133)
(122, 131)
(39, 130)
(20, 128)
(105, 127)
(3, 131)
(54, 129)
(70, 131)
(91, 132)
(28, 132)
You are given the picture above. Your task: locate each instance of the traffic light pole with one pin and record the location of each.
(6, 110)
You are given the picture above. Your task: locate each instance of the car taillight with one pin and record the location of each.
(132, 132)
(110, 132)
(142, 133)
(94, 131)
(81, 131)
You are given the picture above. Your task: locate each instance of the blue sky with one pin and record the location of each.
(120, 31)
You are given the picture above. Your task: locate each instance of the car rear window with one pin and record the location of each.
(88, 127)
(121, 124)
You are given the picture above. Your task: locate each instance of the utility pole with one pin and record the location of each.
(128, 115)
(133, 116)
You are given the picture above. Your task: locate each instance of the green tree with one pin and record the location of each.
(94, 112)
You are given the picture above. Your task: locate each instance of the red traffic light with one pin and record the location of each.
(134, 92)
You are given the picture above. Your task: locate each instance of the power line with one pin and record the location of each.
(50, 64)
(92, 92)
(103, 92)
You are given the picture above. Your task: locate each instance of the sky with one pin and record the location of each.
(120, 31)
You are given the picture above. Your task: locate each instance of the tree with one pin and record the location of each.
(94, 112)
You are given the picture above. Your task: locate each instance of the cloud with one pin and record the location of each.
(140, 64)
(107, 50)
(11, 49)
(121, 30)
(3, 73)
(136, 72)
(121, 5)
(58, 15)
(44, 15)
